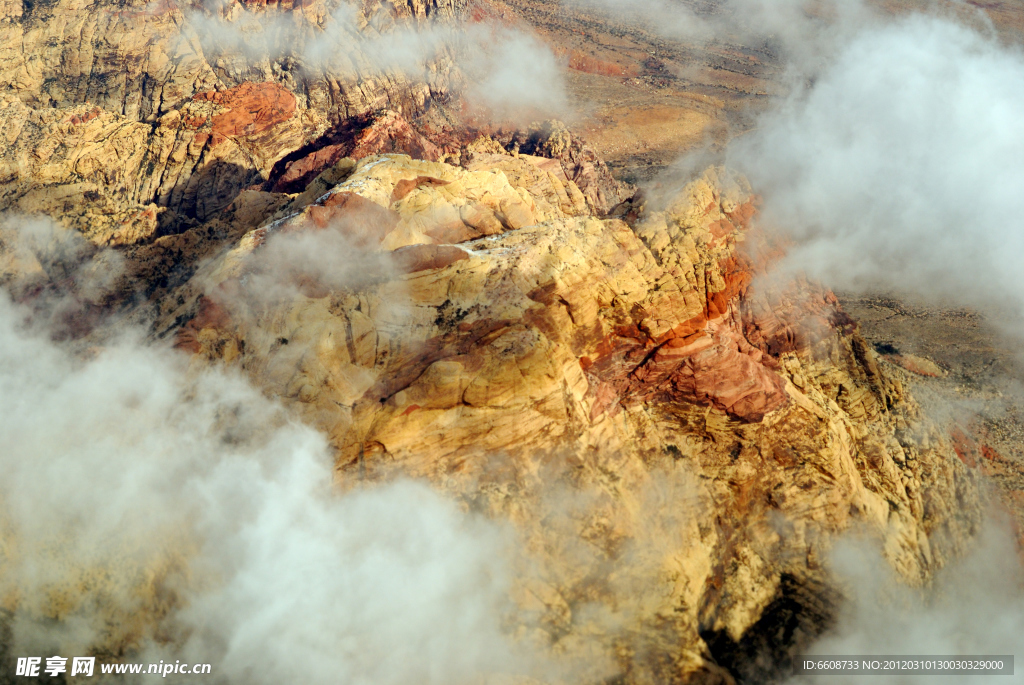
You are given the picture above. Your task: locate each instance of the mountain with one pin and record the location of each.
(714, 436)
(676, 438)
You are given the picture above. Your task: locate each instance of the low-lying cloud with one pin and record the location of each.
(505, 71)
(804, 32)
(973, 607)
(149, 508)
(901, 166)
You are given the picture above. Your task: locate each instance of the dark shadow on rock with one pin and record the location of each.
(9, 658)
(802, 610)
(210, 189)
(375, 133)
(333, 145)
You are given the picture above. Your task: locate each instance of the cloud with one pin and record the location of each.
(514, 75)
(503, 69)
(307, 260)
(64, 276)
(973, 607)
(149, 506)
(804, 31)
(895, 165)
(900, 167)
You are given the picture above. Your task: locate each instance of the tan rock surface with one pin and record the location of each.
(676, 442)
(677, 447)
(116, 110)
(111, 177)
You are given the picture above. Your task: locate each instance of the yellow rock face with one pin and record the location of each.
(104, 123)
(676, 444)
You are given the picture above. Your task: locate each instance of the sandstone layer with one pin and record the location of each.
(711, 433)
(129, 121)
(676, 439)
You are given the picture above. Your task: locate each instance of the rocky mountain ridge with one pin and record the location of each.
(617, 357)
(136, 116)
(676, 439)
(481, 328)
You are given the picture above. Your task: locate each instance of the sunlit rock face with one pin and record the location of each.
(676, 439)
(129, 121)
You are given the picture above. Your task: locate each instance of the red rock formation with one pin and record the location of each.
(390, 132)
(611, 354)
(357, 138)
(965, 446)
(299, 172)
(406, 186)
(252, 108)
(413, 258)
(365, 223)
(705, 360)
(82, 118)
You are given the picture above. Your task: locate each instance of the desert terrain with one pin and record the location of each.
(652, 106)
(323, 362)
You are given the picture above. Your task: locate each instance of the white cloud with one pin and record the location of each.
(973, 607)
(901, 167)
(506, 70)
(139, 496)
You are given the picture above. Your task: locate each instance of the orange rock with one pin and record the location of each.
(365, 223)
(413, 258)
(609, 359)
(298, 173)
(404, 187)
(253, 108)
(390, 132)
(82, 118)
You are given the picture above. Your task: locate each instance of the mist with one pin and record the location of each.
(505, 72)
(900, 167)
(891, 159)
(152, 509)
(895, 164)
(975, 606)
(800, 31)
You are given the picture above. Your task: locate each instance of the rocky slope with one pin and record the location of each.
(146, 116)
(676, 439)
(653, 91)
(677, 443)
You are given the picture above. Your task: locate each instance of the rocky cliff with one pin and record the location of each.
(146, 116)
(677, 440)
(676, 437)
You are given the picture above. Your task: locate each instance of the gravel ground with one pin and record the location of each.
(983, 385)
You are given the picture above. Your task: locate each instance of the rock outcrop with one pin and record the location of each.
(706, 436)
(148, 118)
(676, 440)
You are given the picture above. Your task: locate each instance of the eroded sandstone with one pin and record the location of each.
(713, 432)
